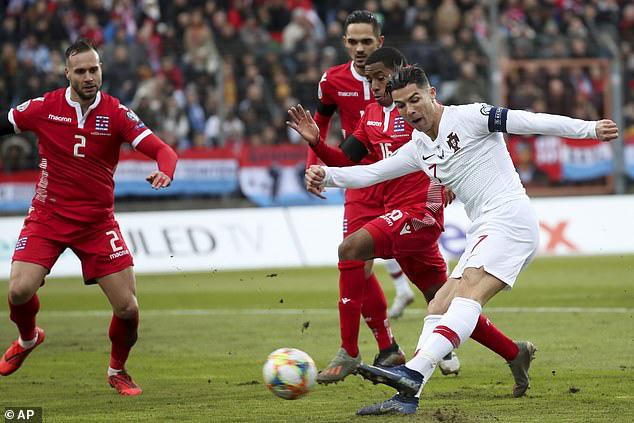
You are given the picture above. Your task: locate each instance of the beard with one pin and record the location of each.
(84, 96)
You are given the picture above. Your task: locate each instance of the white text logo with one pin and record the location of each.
(60, 118)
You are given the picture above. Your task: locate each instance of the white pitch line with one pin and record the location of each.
(320, 311)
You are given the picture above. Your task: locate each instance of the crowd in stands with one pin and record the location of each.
(170, 59)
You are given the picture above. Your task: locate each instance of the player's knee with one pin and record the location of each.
(469, 282)
(21, 289)
(128, 310)
(471, 277)
(347, 250)
(436, 306)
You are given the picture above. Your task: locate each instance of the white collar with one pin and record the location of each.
(356, 74)
(81, 118)
(387, 112)
(389, 108)
(366, 85)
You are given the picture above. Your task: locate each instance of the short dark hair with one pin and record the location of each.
(407, 75)
(389, 56)
(79, 46)
(363, 16)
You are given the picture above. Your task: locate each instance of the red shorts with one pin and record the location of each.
(357, 215)
(99, 246)
(411, 237)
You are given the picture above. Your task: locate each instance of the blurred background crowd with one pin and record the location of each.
(169, 60)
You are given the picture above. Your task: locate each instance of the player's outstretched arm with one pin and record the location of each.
(403, 162)
(526, 123)
(166, 158)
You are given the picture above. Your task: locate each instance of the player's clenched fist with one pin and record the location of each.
(606, 130)
(159, 180)
(315, 180)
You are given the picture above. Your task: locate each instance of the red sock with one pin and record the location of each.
(351, 284)
(491, 337)
(123, 334)
(24, 317)
(374, 311)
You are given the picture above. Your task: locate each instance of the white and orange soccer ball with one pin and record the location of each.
(289, 373)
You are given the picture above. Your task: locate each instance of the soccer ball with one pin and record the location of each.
(289, 373)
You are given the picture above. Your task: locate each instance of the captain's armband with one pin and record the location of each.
(354, 149)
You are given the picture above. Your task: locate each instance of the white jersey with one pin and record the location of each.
(469, 155)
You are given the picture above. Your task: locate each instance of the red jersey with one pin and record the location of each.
(344, 87)
(383, 131)
(79, 152)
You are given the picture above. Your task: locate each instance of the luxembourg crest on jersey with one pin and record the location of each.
(399, 124)
(21, 244)
(101, 123)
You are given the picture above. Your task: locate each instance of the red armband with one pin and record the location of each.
(165, 157)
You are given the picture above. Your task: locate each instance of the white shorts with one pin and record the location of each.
(503, 240)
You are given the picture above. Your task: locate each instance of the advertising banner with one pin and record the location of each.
(208, 240)
(543, 160)
(205, 171)
(274, 176)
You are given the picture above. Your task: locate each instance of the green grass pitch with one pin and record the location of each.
(204, 337)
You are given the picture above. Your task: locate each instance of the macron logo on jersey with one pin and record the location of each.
(348, 94)
(59, 118)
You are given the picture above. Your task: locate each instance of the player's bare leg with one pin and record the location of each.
(404, 294)
(24, 281)
(120, 288)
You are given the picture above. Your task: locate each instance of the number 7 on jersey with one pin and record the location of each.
(434, 168)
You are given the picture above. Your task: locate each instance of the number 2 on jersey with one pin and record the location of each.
(114, 239)
(81, 143)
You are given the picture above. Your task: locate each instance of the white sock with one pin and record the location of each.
(429, 325)
(112, 372)
(428, 328)
(461, 318)
(400, 282)
(28, 344)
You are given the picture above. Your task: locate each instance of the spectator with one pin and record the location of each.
(31, 50)
(174, 61)
(447, 18)
(201, 53)
(15, 153)
(471, 88)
